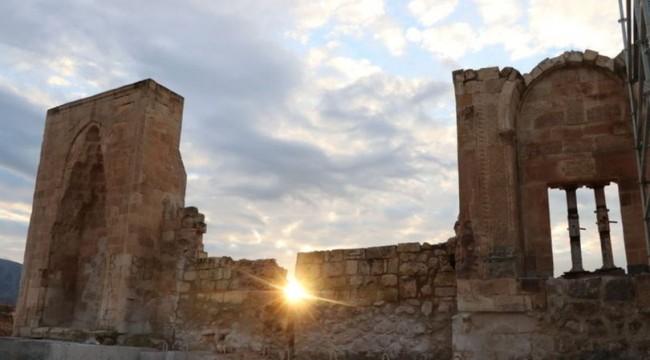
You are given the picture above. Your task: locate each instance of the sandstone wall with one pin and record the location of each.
(232, 306)
(109, 173)
(397, 300)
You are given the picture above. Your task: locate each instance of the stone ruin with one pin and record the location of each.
(114, 255)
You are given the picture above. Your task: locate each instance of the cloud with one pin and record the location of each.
(499, 11)
(20, 124)
(307, 125)
(429, 12)
(450, 41)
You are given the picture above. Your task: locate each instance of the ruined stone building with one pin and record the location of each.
(114, 254)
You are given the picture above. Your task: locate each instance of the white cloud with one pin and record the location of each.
(499, 11)
(393, 38)
(448, 41)
(429, 12)
(578, 24)
(57, 81)
(352, 69)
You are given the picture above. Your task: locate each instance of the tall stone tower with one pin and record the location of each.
(110, 178)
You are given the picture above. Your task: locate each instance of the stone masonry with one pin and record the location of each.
(114, 257)
(564, 125)
(395, 301)
(112, 254)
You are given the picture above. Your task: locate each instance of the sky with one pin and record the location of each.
(308, 124)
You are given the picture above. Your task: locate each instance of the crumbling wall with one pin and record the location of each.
(231, 306)
(603, 317)
(397, 300)
(564, 125)
(109, 172)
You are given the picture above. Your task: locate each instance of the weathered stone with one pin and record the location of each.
(620, 290)
(334, 255)
(354, 254)
(584, 288)
(590, 56)
(408, 247)
(487, 73)
(381, 252)
(427, 308)
(470, 75)
(351, 267)
(413, 268)
(408, 288)
(333, 269)
(377, 266)
(316, 257)
(389, 280)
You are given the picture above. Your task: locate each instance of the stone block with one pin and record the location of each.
(354, 254)
(445, 291)
(204, 274)
(605, 62)
(356, 280)
(408, 288)
(389, 280)
(583, 288)
(413, 268)
(643, 291)
(509, 303)
(495, 86)
(351, 267)
(392, 265)
(426, 290)
(316, 257)
(227, 272)
(333, 269)
(445, 279)
(189, 275)
(488, 73)
(338, 282)
(389, 294)
(408, 247)
(222, 285)
(470, 75)
(234, 297)
(590, 56)
(217, 274)
(620, 289)
(381, 252)
(427, 308)
(334, 255)
(573, 57)
(308, 271)
(458, 76)
(184, 287)
(363, 268)
(377, 266)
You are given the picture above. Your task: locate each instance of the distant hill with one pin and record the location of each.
(9, 281)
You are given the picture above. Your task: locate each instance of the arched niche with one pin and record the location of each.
(76, 258)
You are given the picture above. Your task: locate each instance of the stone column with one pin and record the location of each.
(574, 229)
(603, 227)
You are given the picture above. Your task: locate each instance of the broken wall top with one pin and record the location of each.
(564, 123)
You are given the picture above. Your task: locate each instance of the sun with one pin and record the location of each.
(293, 292)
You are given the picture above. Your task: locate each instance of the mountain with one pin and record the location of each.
(9, 281)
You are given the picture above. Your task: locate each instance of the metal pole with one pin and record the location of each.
(640, 135)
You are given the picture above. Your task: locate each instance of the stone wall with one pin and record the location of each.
(592, 318)
(231, 306)
(397, 300)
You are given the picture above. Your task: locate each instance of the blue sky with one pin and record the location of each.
(307, 124)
